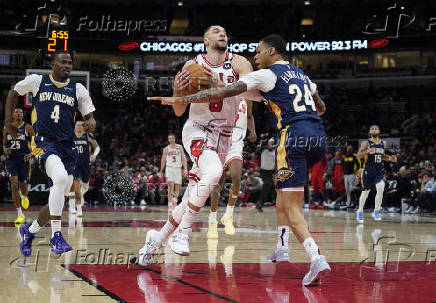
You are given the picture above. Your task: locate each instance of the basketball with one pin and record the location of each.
(199, 80)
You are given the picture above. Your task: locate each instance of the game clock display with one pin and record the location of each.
(58, 40)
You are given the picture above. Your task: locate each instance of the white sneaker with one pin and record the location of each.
(143, 203)
(179, 241)
(150, 249)
(318, 268)
(279, 255)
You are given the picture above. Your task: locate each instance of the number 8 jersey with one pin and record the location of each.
(222, 112)
(55, 105)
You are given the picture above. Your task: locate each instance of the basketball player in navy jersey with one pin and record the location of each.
(83, 142)
(373, 153)
(295, 107)
(17, 161)
(55, 101)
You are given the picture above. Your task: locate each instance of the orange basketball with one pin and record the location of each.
(199, 80)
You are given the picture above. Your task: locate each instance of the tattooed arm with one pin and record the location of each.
(205, 96)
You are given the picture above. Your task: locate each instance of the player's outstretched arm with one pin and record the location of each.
(205, 96)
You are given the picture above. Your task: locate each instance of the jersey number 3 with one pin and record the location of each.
(55, 115)
(294, 89)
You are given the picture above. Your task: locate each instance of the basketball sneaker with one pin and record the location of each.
(318, 268)
(279, 255)
(212, 231)
(26, 243)
(58, 244)
(228, 224)
(19, 220)
(150, 249)
(24, 201)
(376, 215)
(179, 241)
(359, 216)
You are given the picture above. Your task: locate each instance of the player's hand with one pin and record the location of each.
(12, 130)
(252, 137)
(185, 173)
(6, 150)
(394, 158)
(370, 150)
(216, 81)
(27, 157)
(161, 173)
(92, 158)
(181, 81)
(89, 125)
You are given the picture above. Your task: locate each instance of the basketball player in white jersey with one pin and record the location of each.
(172, 159)
(234, 161)
(206, 138)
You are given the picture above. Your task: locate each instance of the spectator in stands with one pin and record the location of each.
(319, 170)
(253, 187)
(267, 166)
(426, 198)
(157, 195)
(336, 174)
(351, 167)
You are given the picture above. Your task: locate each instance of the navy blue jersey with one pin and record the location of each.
(54, 109)
(291, 99)
(19, 145)
(374, 159)
(83, 148)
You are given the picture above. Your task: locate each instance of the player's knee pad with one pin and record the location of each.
(55, 170)
(380, 187)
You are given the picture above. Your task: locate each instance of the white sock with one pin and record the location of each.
(72, 203)
(362, 199)
(79, 207)
(379, 195)
(282, 236)
(19, 211)
(212, 216)
(166, 231)
(55, 226)
(34, 227)
(188, 218)
(229, 210)
(311, 248)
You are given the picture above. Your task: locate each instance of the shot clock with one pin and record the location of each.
(57, 40)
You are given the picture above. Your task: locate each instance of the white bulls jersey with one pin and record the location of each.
(240, 129)
(174, 156)
(222, 112)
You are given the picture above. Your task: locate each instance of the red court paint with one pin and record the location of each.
(253, 282)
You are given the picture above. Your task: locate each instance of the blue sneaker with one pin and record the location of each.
(58, 244)
(359, 216)
(376, 215)
(26, 243)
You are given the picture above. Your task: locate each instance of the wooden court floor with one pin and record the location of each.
(389, 261)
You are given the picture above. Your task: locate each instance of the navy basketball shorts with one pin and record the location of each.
(16, 166)
(43, 147)
(82, 171)
(300, 146)
(371, 178)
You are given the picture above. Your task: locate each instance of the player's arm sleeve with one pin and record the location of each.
(261, 80)
(312, 87)
(30, 84)
(85, 103)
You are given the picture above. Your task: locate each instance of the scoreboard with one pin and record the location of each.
(57, 40)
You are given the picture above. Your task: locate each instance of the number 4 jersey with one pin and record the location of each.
(222, 112)
(55, 105)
